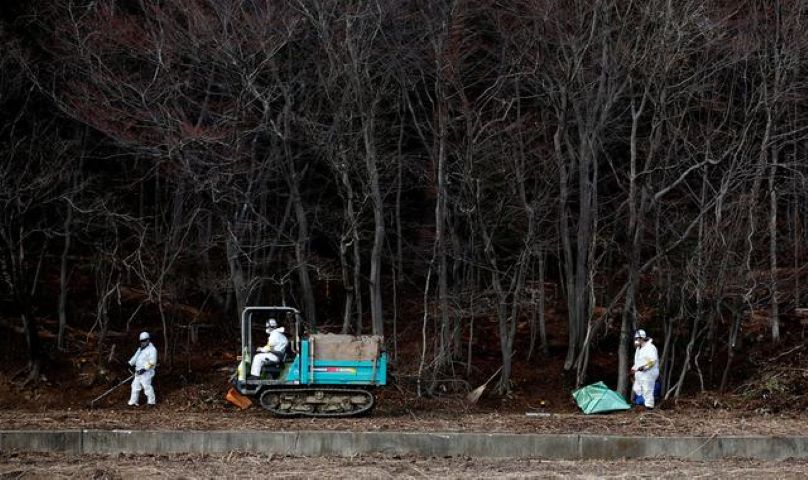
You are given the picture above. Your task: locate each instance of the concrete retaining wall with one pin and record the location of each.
(327, 443)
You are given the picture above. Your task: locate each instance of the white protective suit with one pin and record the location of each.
(144, 359)
(646, 371)
(271, 352)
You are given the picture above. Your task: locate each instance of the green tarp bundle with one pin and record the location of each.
(597, 398)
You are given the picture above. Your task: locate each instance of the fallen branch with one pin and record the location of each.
(798, 347)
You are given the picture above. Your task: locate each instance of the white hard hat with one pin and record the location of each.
(272, 323)
(144, 336)
(640, 334)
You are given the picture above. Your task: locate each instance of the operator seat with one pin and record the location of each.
(274, 369)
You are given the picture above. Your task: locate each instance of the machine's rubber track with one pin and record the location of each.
(317, 402)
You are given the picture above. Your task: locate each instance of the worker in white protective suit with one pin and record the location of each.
(273, 351)
(144, 361)
(646, 368)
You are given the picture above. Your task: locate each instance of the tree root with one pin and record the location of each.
(32, 378)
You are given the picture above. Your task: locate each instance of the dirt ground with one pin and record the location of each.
(201, 406)
(191, 397)
(663, 422)
(54, 466)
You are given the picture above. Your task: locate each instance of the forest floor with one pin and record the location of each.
(769, 397)
(250, 465)
(195, 401)
(203, 408)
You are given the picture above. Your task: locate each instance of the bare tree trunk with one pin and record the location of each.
(60, 340)
(507, 317)
(568, 272)
(347, 284)
(424, 322)
(23, 289)
(545, 347)
(302, 241)
(696, 326)
(470, 347)
(775, 308)
(31, 330)
(357, 280)
(440, 225)
(731, 347)
(375, 280)
(234, 254)
(798, 234)
(351, 238)
(506, 343)
(582, 288)
(301, 253)
(456, 346)
(759, 170)
(399, 260)
(635, 232)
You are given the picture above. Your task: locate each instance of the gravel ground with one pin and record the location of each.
(658, 423)
(55, 466)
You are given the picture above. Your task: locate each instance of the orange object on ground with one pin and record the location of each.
(238, 399)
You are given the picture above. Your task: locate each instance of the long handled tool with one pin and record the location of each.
(103, 395)
(475, 394)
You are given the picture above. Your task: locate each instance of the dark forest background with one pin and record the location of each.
(458, 176)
